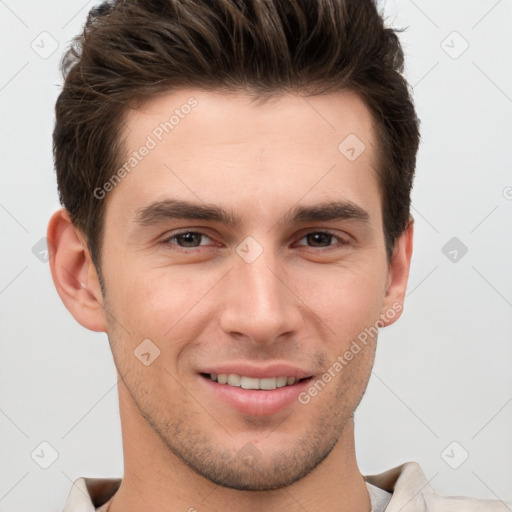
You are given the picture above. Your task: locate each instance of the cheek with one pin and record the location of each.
(348, 299)
(159, 303)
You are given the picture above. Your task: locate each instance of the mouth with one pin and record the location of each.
(259, 383)
(255, 391)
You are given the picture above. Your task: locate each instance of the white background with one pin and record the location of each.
(443, 372)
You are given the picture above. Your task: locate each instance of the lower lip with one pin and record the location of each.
(256, 402)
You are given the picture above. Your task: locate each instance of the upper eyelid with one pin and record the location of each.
(185, 231)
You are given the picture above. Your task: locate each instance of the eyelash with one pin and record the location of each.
(341, 241)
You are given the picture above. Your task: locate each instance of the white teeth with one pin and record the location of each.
(281, 382)
(268, 383)
(249, 383)
(234, 380)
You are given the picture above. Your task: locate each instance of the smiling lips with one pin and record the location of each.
(255, 391)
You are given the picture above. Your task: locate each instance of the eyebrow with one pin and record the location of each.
(169, 209)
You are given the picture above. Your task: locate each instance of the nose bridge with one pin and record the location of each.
(259, 304)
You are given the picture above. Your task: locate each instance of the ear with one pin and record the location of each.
(74, 274)
(398, 276)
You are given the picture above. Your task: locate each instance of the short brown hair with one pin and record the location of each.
(131, 50)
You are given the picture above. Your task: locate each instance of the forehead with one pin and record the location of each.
(238, 114)
(212, 146)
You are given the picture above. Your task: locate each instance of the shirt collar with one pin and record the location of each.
(409, 486)
(89, 493)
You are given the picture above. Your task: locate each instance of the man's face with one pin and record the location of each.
(270, 295)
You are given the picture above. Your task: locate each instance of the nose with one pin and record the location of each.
(260, 304)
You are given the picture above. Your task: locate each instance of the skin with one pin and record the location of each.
(301, 302)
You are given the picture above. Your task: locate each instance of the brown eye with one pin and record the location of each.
(188, 239)
(321, 239)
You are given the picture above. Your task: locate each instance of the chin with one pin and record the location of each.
(259, 477)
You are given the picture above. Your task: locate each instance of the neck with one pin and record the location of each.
(155, 480)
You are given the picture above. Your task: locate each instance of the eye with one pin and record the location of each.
(321, 239)
(187, 239)
(194, 239)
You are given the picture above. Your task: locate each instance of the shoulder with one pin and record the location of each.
(411, 491)
(464, 504)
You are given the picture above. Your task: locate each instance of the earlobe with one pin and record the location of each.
(73, 273)
(398, 276)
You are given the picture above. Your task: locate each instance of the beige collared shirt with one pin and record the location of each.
(401, 489)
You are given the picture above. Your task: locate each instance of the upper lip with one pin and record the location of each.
(261, 372)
